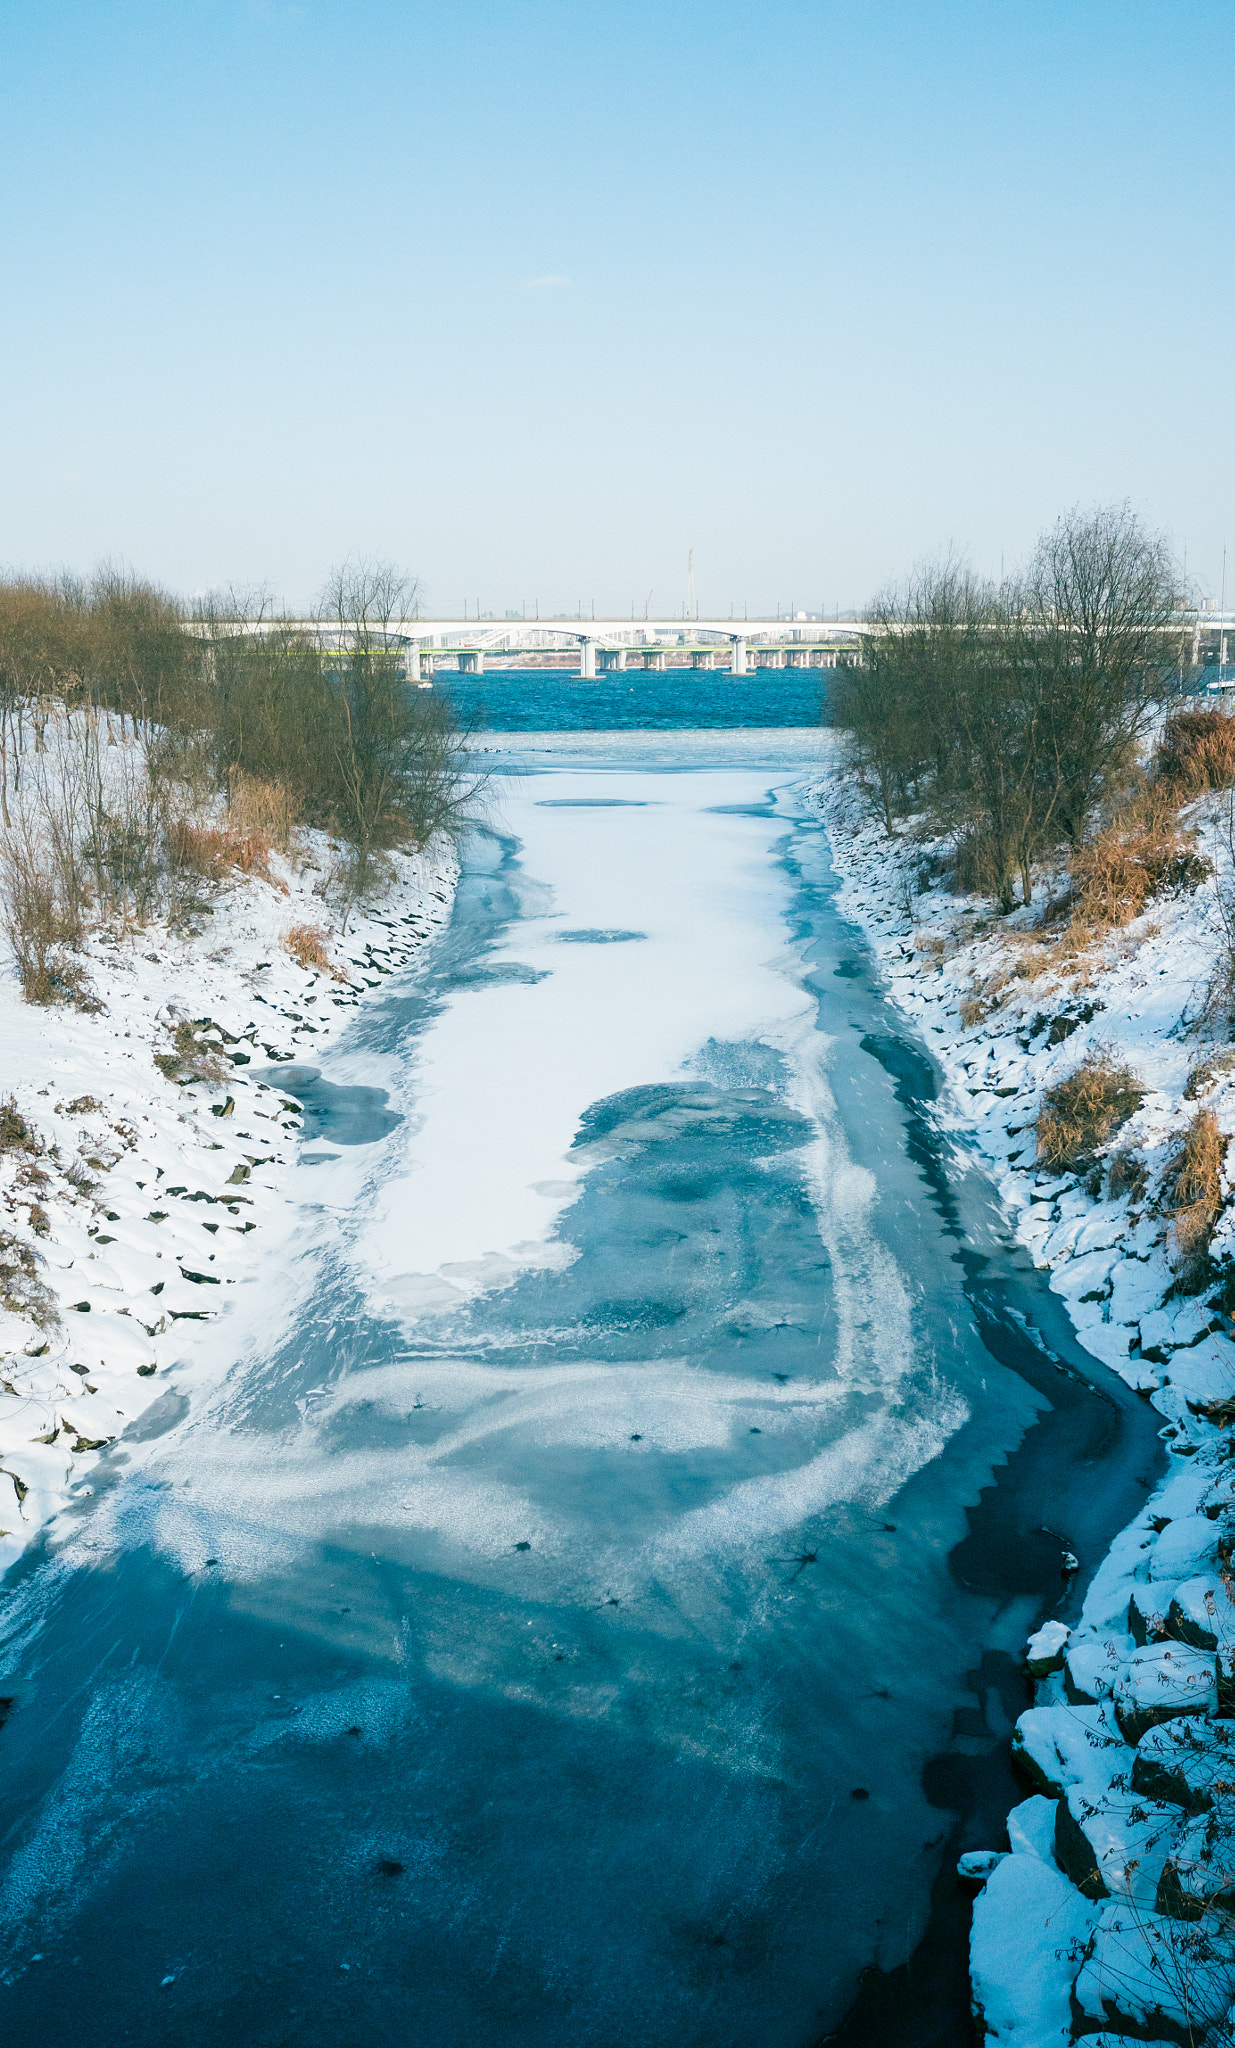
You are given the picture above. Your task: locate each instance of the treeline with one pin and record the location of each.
(145, 752)
(328, 717)
(1006, 714)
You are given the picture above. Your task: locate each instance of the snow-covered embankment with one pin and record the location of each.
(132, 1196)
(1112, 1913)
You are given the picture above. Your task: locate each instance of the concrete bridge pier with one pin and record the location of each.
(612, 658)
(587, 666)
(471, 661)
(737, 665)
(413, 662)
(772, 657)
(703, 658)
(654, 658)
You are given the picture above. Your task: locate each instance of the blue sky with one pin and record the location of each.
(533, 299)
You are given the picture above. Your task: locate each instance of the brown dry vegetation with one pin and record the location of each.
(22, 1290)
(1082, 1113)
(1193, 1198)
(213, 852)
(188, 1060)
(307, 945)
(16, 1134)
(1197, 752)
(1142, 853)
(261, 810)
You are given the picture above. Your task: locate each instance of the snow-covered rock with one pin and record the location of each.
(1130, 1766)
(1044, 1650)
(1030, 1932)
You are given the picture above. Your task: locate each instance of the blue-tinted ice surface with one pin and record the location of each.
(500, 1667)
(344, 1115)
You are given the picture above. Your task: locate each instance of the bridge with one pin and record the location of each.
(738, 645)
(606, 645)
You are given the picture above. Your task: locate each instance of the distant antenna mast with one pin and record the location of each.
(692, 607)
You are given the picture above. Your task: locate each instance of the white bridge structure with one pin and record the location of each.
(738, 645)
(604, 645)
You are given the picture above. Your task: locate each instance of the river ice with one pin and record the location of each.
(504, 1641)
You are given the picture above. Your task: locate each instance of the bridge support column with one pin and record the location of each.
(587, 666)
(612, 658)
(737, 665)
(471, 661)
(413, 662)
(703, 658)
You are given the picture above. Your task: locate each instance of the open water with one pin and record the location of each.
(588, 1611)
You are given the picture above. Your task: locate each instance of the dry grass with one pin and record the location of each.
(1082, 1113)
(261, 810)
(307, 945)
(1143, 853)
(214, 852)
(1197, 751)
(1193, 1198)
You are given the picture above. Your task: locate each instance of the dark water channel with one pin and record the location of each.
(659, 1707)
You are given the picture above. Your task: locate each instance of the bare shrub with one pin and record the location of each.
(187, 1059)
(16, 1134)
(1193, 1198)
(40, 925)
(1208, 1072)
(22, 1290)
(1127, 1175)
(307, 945)
(1197, 751)
(1082, 1113)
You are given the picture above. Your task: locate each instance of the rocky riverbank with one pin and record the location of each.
(1106, 1914)
(145, 1138)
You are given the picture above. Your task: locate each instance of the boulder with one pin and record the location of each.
(1055, 1747)
(1150, 1976)
(1161, 1681)
(1201, 1613)
(1029, 1924)
(1178, 1761)
(1044, 1650)
(1186, 1546)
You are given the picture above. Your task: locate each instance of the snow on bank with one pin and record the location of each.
(1110, 1918)
(134, 1202)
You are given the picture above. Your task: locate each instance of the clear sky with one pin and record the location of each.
(534, 298)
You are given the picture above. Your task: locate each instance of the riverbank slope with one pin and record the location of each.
(1111, 1909)
(144, 1140)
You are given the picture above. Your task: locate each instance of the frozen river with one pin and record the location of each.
(577, 1619)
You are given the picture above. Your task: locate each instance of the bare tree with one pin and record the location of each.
(1097, 616)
